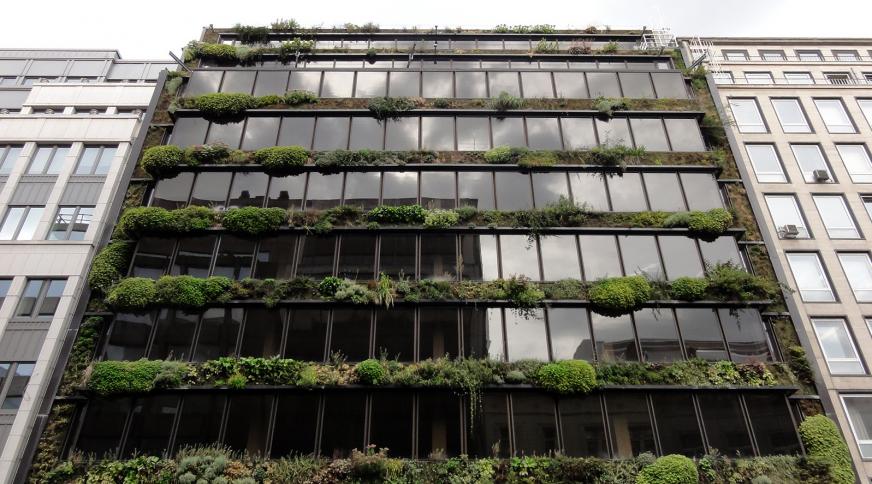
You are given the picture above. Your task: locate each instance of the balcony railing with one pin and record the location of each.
(781, 81)
(794, 59)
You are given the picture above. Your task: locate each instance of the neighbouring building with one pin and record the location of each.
(799, 117)
(441, 221)
(68, 123)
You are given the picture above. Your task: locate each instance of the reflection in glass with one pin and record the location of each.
(583, 432)
(275, 257)
(262, 333)
(589, 190)
(746, 335)
(307, 334)
(526, 336)
(336, 83)
(483, 333)
(316, 256)
(664, 192)
(397, 255)
(366, 133)
(578, 133)
(437, 189)
(549, 187)
(724, 423)
(228, 134)
(599, 256)
(658, 335)
(395, 333)
(535, 424)
(324, 190)
(219, 328)
(519, 256)
(350, 334)
(286, 192)
(649, 133)
(439, 257)
(629, 424)
(471, 85)
(614, 338)
(680, 257)
(294, 428)
(439, 425)
(128, 337)
(439, 335)
(151, 422)
(390, 422)
(194, 256)
(297, 131)
(402, 134)
(173, 335)
(508, 132)
(676, 419)
(639, 254)
(172, 193)
(701, 333)
(152, 257)
(357, 256)
(248, 189)
(437, 133)
(537, 85)
(210, 189)
(613, 132)
(478, 257)
(772, 424)
(473, 134)
(559, 257)
(400, 188)
(476, 190)
(260, 132)
(331, 133)
(234, 257)
(491, 435)
(362, 189)
(370, 84)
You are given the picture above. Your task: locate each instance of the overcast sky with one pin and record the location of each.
(150, 28)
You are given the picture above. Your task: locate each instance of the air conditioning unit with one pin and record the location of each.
(790, 231)
(821, 175)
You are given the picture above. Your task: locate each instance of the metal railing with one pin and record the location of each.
(795, 59)
(780, 81)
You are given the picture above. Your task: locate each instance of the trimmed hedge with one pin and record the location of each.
(222, 105)
(823, 441)
(370, 372)
(401, 214)
(112, 377)
(689, 288)
(162, 161)
(709, 224)
(132, 294)
(109, 265)
(385, 108)
(567, 376)
(669, 469)
(254, 220)
(619, 295)
(282, 160)
(191, 292)
(138, 221)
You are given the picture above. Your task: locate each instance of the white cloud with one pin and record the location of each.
(150, 29)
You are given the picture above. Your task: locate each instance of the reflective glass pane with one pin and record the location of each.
(677, 422)
(476, 189)
(402, 134)
(438, 190)
(438, 85)
(189, 131)
(640, 256)
(503, 82)
(636, 84)
(197, 420)
(262, 332)
(439, 425)
(336, 84)
(701, 333)
(724, 423)
(772, 424)
(508, 131)
(746, 335)
(603, 84)
(578, 133)
(395, 333)
(307, 334)
(649, 133)
(439, 257)
(589, 190)
(102, 427)
(658, 335)
(128, 338)
(211, 188)
(362, 189)
(235, 257)
(614, 338)
(305, 81)
(173, 335)
(270, 82)
(439, 336)
(535, 424)
(570, 85)
(205, 82)
(371, 84)
(483, 333)
(626, 192)
(549, 188)
(583, 429)
(629, 424)
(400, 188)
(537, 85)
(559, 257)
(219, 329)
(238, 81)
(437, 133)
(248, 189)
(248, 423)
(324, 190)
(275, 257)
(331, 133)
(228, 134)
(544, 134)
(681, 258)
(350, 335)
(491, 427)
(701, 190)
(391, 422)
(614, 132)
(357, 256)
(194, 256)
(405, 84)
(297, 132)
(513, 191)
(397, 255)
(286, 192)
(366, 133)
(151, 422)
(669, 85)
(519, 256)
(570, 334)
(478, 257)
(471, 85)
(664, 192)
(473, 134)
(684, 135)
(260, 133)
(152, 257)
(295, 424)
(316, 256)
(526, 336)
(599, 256)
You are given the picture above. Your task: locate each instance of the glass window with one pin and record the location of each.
(570, 334)
(395, 333)
(473, 134)
(275, 257)
(544, 134)
(658, 335)
(173, 335)
(194, 256)
(735, 55)
(371, 84)
(859, 410)
(48, 160)
(746, 335)
(128, 337)
(439, 257)
(833, 113)
(846, 55)
(785, 212)
(626, 192)
(866, 106)
(357, 256)
(483, 333)
(629, 424)
(537, 85)
(501, 82)
(669, 85)
(228, 134)
(478, 257)
(701, 190)
(758, 78)
(492, 427)
(295, 425)
(681, 257)
(400, 188)
(476, 189)
(350, 334)
(513, 191)
(20, 223)
(570, 85)
(772, 55)
(508, 132)
(559, 257)
(391, 422)
(405, 84)
(583, 430)
(791, 116)
(640, 256)
(331, 133)
(836, 217)
(773, 426)
(471, 85)
(248, 189)
(286, 192)
(589, 190)
(724, 423)
(235, 257)
(677, 421)
(366, 133)
(238, 81)
(614, 132)
(747, 116)
(603, 84)
(439, 336)
(636, 84)
(297, 131)
(270, 82)
(398, 255)
(838, 347)
(578, 133)
(402, 134)
(649, 133)
(362, 189)
(172, 193)
(437, 133)
(526, 336)
(858, 269)
(857, 162)
(262, 332)
(336, 83)
(103, 425)
(535, 424)
(307, 334)
(439, 425)
(614, 338)
(438, 85)
(810, 277)
(723, 77)
(94, 160)
(664, 192)
(438, 190)
(798, 78)
(767, 166)
(205, 82)
(211, 188)
(71, 223)
(519, 256)
(197, 420)
(260, 133)
(8, 157)
(247, 425)
(152, 257)
(549, 188)
(810, 159)
(721, 250)
(684, 134)
(219, 329)
(324, 190)
(701, 333)
(316, 256)
(599, 256)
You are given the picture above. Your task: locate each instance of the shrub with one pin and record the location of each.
(109, 265)
(132, 294)
(383, 108)
(537, 158)
(505, 102)
(206, 50)
(669, 469)
(567, 376)
(799, 365)
(610, 48)
(502, 155)
(162, 161)
(370, 372)
(249, 34)
(281, 160)
(823, 440)
(614, 156)
(214, 153)
(441, 103)
(619, 295)
(688, 288)
(329, 285)
(113, 377)
(190, 292)
(546, 47)
(441, 219)
(223, 105)
(156, 220)
(523, 293)
(729, 282)
(297, 97)
(254, 220)
(608, 105)
(709, 224)
(401, 214)
(295, 45)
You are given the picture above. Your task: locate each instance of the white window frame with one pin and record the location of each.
(753, 127)
(780, 217)
(862, 289)
(759, 78)
(834, 231)
(802, 78)
(867, 204)
(766, 176)
(788, 103)
(793, 256)
(835, 126)
(808, 174)
(866, 109)
(864, 446)
(27, 212)
(843, 333)
(723, 77)
(858, 174)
